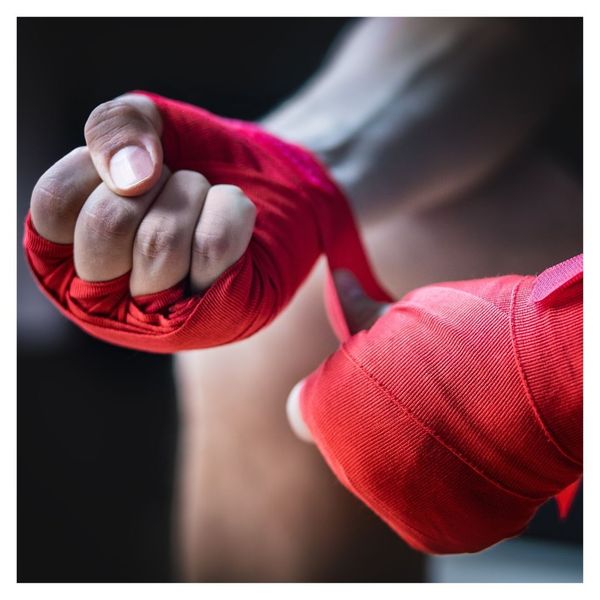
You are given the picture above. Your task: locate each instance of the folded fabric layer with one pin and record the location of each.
(300, 215)
(454, 417)
(460, 411)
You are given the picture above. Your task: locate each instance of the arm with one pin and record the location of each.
(455, 413)
(417, 111)
(220, 513)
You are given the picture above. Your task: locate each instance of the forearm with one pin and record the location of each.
(419, 110)
(231, 398)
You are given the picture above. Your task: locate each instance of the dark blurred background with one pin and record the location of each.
(97, 425)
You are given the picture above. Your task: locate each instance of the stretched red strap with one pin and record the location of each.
(300, 214)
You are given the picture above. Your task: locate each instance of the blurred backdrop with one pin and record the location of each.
(97, 425)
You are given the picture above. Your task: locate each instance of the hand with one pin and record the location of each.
(455, 412)
(125, 211)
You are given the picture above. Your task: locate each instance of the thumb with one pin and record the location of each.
(123, 136)
(294, 414)
(360, 310)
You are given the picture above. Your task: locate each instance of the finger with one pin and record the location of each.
(60, 193)
(222, 234)
(161, 251)
(360, 310)
(294, 414)
(123, 136)
(105, 231)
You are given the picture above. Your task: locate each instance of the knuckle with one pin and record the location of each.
(109, 219)
(244, 205)
(50, 200)
(248, 210)
(228, 189)
(220, 239)
(189, 180)
(109, 123)
(158, 237)
(80, 153)
(213, 248)
(234, 197)
(240, 203)
(233, 194)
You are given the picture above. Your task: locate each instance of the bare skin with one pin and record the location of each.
(136, 215)
(257, 504)
(254, 510)
(433, 163)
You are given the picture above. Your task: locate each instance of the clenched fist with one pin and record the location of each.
(145, 239)
(124, 210)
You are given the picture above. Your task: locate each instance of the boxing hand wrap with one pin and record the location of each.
(460, 411)
(453, 418)
(300, 214)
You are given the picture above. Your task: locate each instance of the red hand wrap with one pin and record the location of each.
(453, 418)
(460, 411)
(300, 214)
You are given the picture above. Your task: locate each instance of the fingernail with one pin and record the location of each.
(347, 284)
(129, 166)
